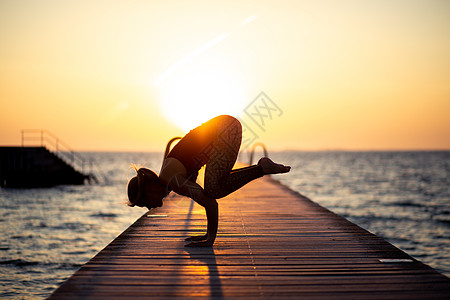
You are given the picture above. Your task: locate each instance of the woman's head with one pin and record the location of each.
(145, 189)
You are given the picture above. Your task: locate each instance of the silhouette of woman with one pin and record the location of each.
(215, 143)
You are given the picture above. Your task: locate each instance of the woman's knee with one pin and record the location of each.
(237, 127)
(231, 126)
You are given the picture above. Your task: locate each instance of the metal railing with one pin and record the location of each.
(44, 138)
(169, 143)
(252, 151)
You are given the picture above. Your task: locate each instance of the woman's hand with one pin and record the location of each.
(207, 243)
(197, 238)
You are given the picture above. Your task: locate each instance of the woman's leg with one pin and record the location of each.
(220, 179)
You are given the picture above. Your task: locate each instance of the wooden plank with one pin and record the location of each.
(272, 243)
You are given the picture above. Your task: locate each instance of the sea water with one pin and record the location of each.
(48, 233)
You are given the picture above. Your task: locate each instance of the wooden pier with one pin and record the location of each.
(272, 244)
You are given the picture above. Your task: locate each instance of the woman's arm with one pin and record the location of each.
(181, 185)
(212, 216)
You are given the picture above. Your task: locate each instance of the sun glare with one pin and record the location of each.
(201, 86)
(192, 97)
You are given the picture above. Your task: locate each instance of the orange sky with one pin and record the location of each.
(129, 75)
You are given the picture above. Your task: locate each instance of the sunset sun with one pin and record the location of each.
(192, 97)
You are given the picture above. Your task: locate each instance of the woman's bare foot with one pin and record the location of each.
(269, 167)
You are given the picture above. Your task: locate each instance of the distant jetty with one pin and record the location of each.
(48, 164)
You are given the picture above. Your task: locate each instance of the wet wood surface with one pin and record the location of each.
(272, 243)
